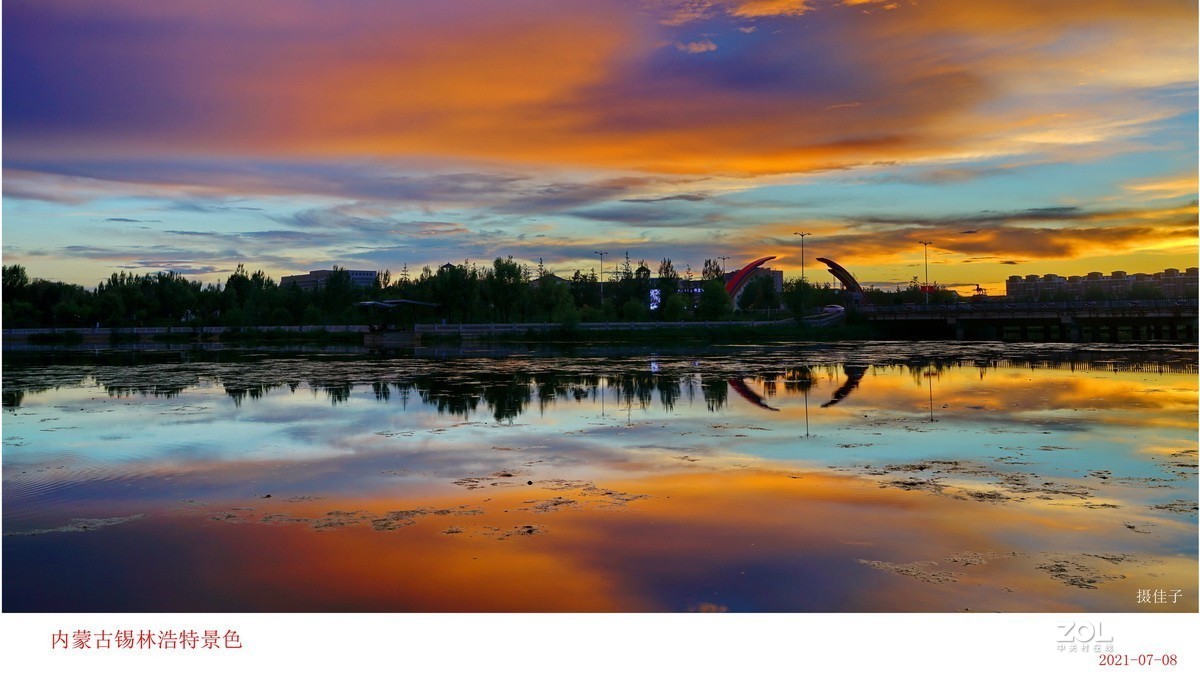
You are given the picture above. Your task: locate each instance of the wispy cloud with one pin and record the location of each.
(697, 47)
(1166, 188)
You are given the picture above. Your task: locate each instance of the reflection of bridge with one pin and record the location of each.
(1114, 321)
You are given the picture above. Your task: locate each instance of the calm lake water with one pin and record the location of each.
(857, 477)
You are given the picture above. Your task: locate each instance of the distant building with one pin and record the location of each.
(549, 279)
(1170, 282)
(317, 278)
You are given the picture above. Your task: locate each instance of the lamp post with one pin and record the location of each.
(926, 244)
(601, 254)
(802, 235)
(722, 258)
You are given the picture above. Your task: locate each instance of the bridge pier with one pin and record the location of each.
(1136, 332)
(1158, 332)
(1189, 332)
(1173, 332)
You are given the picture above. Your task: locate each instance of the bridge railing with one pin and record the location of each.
(485, 328)
(183, 330)
(1073, 305)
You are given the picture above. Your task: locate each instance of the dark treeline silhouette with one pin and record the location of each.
(505, 291)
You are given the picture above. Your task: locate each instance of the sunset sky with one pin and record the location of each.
(1020, 137)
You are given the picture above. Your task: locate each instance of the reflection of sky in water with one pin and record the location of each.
(363, 435)
(1060, 422)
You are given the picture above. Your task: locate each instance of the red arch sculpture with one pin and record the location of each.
(739, 279)
(847, 279)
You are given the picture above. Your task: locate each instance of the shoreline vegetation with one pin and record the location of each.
(463, 300)
(467, 293)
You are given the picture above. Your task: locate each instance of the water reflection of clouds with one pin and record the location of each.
(744, 510)
(341, 436)
(733, 540)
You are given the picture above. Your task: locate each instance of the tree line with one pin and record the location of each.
(505, 291)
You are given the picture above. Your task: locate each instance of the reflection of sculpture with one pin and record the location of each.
(739, 385)
(854, 375)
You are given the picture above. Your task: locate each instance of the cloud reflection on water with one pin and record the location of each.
(1069, 467)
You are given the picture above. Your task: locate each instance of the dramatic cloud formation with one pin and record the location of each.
(673, 125)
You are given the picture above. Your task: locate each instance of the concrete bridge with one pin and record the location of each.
(1077, 321)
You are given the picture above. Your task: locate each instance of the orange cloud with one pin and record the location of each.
(1166, 188)
(760, 8)
(1054, 233)
(601, 86)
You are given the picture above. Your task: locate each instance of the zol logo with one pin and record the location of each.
(1083, 631)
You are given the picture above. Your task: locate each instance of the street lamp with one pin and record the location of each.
(601, 254)
(802, 235)
(926, 243)
(722, 258)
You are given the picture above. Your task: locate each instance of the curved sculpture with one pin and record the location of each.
(847, 279)
(854, 375)
(739, 385)
(739, 279)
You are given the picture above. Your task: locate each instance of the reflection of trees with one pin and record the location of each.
(770, 382)
(919, 370)
(551, 387)
(240, 393)
(554, 386)
(508, 388)
(338, 393)
(507, 395)
(716, 392)
(148, 390)
(450, 397)
(798, 380)
(632, 387)
(668, 390)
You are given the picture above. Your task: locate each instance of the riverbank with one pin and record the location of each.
(447, 334)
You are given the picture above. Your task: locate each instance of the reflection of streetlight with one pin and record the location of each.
(806, 413)
(929, 379)
(802, 235)
(926, 243)
(601, 254)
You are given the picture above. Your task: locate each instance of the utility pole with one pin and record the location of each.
(802, 235)
(601, 254)
(926, 243)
